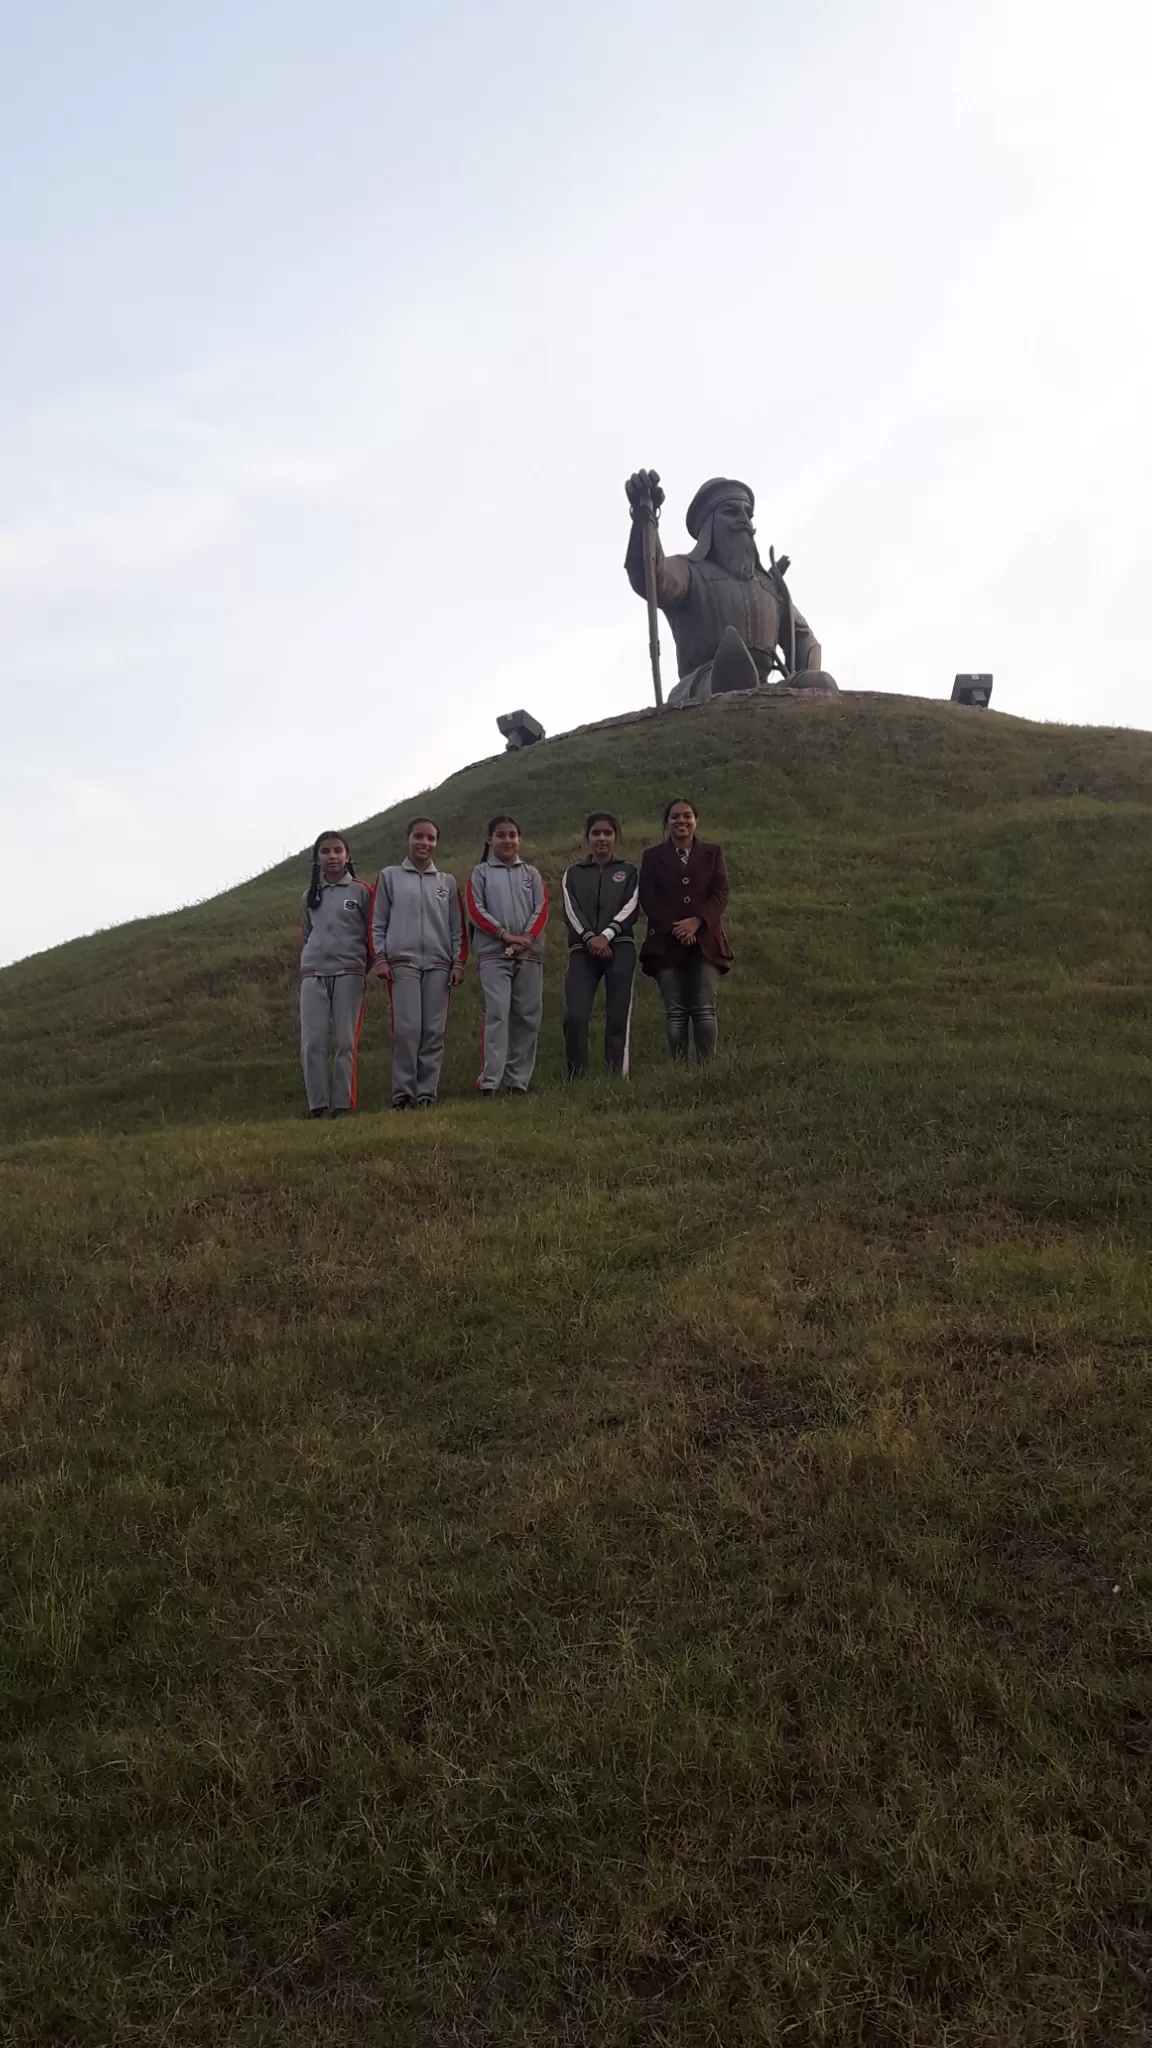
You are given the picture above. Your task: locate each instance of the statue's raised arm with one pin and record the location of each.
(732, 619)
(645, 497)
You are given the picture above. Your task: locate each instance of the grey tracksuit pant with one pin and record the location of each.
(330, 1008)
(513, 992)
(584, 974)
(420, 998)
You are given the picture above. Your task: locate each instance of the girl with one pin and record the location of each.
(336, 914)
(420, 946)
(508, 907)
(684, 893)
(601, 905)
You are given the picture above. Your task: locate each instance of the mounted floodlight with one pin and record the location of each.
(973, 690)
(520, 729)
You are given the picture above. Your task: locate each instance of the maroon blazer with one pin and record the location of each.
(671, 889)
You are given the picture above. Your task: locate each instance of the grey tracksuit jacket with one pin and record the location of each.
(419, 918)
(338, 933)
(505, 897)
(601, 901)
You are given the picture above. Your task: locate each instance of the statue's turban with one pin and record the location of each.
(710, 495)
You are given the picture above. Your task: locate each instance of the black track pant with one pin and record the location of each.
(585, 973)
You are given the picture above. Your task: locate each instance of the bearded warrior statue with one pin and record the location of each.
(733, 620)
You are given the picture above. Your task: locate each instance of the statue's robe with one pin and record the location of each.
(700, 599)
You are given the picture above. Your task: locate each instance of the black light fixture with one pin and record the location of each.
(520, 729)
(973, 690)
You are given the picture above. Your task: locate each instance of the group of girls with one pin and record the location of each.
(414, 927)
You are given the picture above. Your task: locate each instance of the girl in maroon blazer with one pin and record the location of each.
(684, 893)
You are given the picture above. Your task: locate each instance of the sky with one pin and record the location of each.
(330, 333)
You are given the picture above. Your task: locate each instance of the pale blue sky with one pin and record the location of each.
(330, 334)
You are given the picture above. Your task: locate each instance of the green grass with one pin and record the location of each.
(660, 1565)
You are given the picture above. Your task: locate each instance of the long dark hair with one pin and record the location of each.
(671, 804)
(504, 818)
(314, 884)
(602, 818)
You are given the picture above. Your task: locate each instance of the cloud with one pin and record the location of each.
(325, 469)
(112, 489)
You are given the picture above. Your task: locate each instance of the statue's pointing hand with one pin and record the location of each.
(644, 492)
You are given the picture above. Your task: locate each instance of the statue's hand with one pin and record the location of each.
(644, 492)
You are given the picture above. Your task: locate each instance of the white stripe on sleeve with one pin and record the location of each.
(626, 910)
(576, 922)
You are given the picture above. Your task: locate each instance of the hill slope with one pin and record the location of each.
(662, 1564)
(874, 843)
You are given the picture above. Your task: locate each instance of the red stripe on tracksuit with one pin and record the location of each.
(540, 920)
(481, 917)
(462, 961)
(356, 1053)
(486, 924)
(371, 957)
(371, 914)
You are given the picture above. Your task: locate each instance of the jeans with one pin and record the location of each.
(689, 992)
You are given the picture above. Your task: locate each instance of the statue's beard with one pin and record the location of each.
(736, 553)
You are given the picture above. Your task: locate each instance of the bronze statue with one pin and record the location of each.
(729, 614)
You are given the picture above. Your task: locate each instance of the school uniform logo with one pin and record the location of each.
(619, 875)
(351, 903)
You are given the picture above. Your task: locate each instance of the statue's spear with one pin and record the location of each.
(649, 515)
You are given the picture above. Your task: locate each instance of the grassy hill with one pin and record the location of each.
(662, 1564)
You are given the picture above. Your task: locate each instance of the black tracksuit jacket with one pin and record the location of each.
(601, 901)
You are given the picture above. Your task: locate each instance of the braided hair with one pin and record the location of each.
(504, 818)
(314, 886)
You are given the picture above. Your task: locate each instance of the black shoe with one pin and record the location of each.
(316, 1112)
(487, 1094)
(341, 1112)
(516, 1091)
(425, 1102)
(402, 1102)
